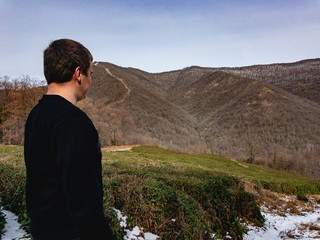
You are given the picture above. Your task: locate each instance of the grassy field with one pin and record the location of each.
(203, 193)
(268, 178)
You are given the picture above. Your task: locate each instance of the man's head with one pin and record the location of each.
(61, 59)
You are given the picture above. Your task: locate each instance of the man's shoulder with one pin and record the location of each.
(56, 111)
(57, 104)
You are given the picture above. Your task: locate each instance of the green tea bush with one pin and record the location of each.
(158, 207)
(293, 188)
(12, 189)
(112, 218)
(168, 204)
(246, 207)
(225, 203)
(2, 221)
(302, 197)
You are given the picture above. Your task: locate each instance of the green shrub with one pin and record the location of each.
(247, 208)
(152, 204)
(302, 197)
(112, 218)
(2, 221)
(181, 205)
(12, 191)
(225, 203)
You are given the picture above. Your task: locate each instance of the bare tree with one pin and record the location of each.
(17, 97)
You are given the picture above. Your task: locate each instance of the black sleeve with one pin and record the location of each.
(79, 161)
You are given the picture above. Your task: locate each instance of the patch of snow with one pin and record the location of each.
(280, 227)
(276, 227)
(133, 235)
(122, 219)
(12, 229)
(136, 233)
(150, 236)
(227, 236)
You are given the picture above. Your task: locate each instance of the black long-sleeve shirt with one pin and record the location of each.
(64, 183)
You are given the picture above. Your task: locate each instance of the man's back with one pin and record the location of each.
(64, 184)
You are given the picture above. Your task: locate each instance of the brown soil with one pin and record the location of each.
(115, 148)
(241, 164)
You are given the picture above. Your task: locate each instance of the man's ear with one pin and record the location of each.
(76, 74)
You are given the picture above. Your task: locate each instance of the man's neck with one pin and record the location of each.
(64, 90)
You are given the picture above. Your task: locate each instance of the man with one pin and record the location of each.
(64, 195)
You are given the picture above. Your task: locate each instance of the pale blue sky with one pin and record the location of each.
(160, 35)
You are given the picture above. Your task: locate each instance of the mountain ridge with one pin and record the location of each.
(261, 113)
(266, 114)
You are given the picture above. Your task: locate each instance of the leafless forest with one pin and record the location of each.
(267, 114)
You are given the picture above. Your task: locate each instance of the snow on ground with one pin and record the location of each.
(136, 233)
(285, 227)
(304, 225)
(12, 228)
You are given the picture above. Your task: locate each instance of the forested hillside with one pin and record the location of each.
(266, 114)
(17, 98)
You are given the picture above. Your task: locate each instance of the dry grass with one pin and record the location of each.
(280, 204)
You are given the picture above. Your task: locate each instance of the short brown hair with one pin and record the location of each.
(61, 59)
